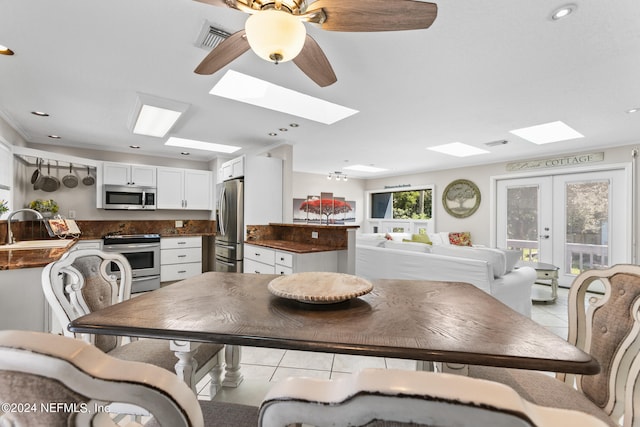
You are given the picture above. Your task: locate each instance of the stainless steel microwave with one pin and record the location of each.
(129, 197)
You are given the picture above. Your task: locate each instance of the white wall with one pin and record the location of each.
(82, 199)
(478, 223)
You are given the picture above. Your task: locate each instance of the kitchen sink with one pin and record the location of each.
(37, 244)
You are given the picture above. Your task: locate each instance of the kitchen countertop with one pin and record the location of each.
(30, 258)
(296, 247)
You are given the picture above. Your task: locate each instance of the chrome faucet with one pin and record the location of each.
(10, 239)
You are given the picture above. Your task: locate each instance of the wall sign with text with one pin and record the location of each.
(555, 162)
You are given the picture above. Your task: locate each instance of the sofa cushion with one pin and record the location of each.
(421, 238)
(495, 257)
(408, 246)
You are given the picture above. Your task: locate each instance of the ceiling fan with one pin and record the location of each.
(275, 29)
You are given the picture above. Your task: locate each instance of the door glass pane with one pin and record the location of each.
(587, 214)
(522, 221)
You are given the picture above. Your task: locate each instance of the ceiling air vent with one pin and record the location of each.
(494, 143)
(211, 36)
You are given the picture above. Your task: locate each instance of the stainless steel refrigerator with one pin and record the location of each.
(230, 226)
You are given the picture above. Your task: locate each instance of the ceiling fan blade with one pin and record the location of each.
(230, 48)
(373, 15)
(313, 62)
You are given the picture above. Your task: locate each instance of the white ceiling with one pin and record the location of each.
(485, 67)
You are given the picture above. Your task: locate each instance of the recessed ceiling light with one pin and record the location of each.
(134, 146)
(283, 129)
(251, 90)
(40, 113)
(547, 133)
(201, 145)
(563, 11)
(364, 168)
(54, 136)
(5, 50)
(294, 125)
(273, 134)
(458, 149)
(633, 110)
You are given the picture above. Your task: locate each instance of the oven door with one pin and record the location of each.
(145, 283)
(144, 258)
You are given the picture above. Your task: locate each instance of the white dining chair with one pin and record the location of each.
(607, 327)
(79, 283)
(56, 381)
(386, 397)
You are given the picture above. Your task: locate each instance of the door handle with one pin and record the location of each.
(544, 236)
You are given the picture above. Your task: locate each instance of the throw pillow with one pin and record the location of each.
(436, 238)
(460, 239)
(421, 238)
(513, 256)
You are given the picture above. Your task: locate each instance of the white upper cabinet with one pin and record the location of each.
(234, 168)
(6, 167)
(184, 189)
(126, 174)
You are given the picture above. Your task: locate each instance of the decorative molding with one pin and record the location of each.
(555, 162)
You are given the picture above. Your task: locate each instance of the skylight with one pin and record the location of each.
(155, 121)
(458, 149)
(547, 133)
(201, 145)
(251, 90)
(364, 168)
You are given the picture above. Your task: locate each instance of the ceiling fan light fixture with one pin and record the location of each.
(275, 35)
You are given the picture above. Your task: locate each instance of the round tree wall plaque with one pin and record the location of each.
(461, 198)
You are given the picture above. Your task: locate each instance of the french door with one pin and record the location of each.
(575, 221)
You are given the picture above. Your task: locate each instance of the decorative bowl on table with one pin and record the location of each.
(319, 287)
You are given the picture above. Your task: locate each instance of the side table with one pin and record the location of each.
(545, 272)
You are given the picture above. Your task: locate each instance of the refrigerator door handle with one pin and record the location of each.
(222, 210)
(218, 244)
(230, 264)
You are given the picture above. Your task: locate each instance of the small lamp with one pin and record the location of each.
(275, 35)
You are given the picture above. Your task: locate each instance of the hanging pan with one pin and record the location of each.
(36, 173)
(50, 183)
(88, 180)
(40, 178)
(70, 181)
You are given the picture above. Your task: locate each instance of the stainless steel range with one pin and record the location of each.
(143, 253)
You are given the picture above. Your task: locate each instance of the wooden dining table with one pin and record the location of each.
(449, 322)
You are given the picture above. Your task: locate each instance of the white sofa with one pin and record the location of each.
(491, 270)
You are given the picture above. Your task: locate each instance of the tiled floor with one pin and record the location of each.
(260, 366)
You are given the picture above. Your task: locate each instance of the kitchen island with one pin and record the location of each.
(293, 248)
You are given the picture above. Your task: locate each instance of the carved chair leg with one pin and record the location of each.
(232, 355)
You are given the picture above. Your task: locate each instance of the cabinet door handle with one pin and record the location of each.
(257, 254)
(281, 258)
(257, 272)
(182, 271)
(182, 243)
(182, 256)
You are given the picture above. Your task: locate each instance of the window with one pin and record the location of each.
(414, 204)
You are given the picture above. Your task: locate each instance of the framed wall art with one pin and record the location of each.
(461, 198)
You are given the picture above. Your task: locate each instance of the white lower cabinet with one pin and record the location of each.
(23, 303)
(262, 260)
(180, 257)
